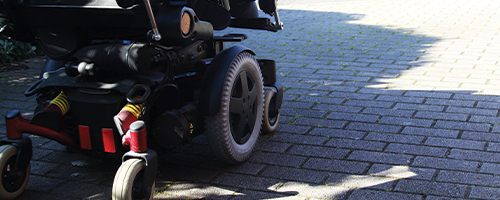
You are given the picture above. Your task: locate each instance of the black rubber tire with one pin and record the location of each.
(270, 122)
(128, 176)
(11, 189)
(233, 132)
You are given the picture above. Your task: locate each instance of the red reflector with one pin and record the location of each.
(84, 137)
(108, 140)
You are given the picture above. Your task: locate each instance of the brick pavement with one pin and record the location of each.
(384, 99)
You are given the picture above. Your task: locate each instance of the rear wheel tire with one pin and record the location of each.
(233, 132)
(12, 185)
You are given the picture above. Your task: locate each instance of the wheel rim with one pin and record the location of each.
(10, 180)
(242, 107)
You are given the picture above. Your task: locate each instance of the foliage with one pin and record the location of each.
(11, 50)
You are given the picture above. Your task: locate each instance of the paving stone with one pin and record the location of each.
(290, 128)
(277, 159)
(83, 190)
(490, 168)
(294, 174)
(399, 138)
(455, 143)
(374, 194)
(388, 112)
(474, 155)
(336, 165)
(441, 115)
(245, 181)
(416, 150)
(320, 122)
(401, 172)
(338, 133)
(275, 147)
(356, 144)
(298, 139)
(360, 181)
(379, 157)
(313, 191)
(42, 184)
(468, 178)
(462, 125)
(353, 117)
(421, 107)
(373, 127)
(434, 188)
(444, 163)
(314, 151)
(479, 192)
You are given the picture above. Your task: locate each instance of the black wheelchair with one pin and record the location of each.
(126, 78)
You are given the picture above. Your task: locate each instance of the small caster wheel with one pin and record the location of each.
(271, 117)
(13, 183)
(233, 132)
(129, 182)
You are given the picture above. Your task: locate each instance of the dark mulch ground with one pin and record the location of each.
(13, 66)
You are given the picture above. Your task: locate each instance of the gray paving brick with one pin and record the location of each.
(388, 112)
(360, 181)
(442, 198)
(270, 146)
(338, 108)
(441, 115)
(408, 106)
(416, 150)
(494, 146)
(373, 127)
(428, 94)
(474, 155)
(488, 105)
(380, 157)
(484, 192)
(380, 92)
(315, 151)
(484, 119)
(300, 105)
(399, 138)
(312, 191)
(468, 178)
(490, 168)
(450, 102)
(338, 133)
(353, 117)
(444, 163)
(434, 188)
(470, 126)
(481, 136)
(298, 139)
(406, 121)
(318, 99)
(336, 165)
(294, 174)
(401, 99)
(301, 112)
(320, 122)
(351, 95)
(245, 181)
(290, 128)
(356, 144)
(277, 159)
(455, 143)
(374, 194)
(363, 103)
(401, 172)
(475, 111)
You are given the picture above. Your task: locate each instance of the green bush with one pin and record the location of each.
(11, 50)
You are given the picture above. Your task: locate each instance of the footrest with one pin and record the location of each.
(255, 23)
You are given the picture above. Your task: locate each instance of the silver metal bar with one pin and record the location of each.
(156, 34)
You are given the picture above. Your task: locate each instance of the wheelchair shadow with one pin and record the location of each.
(347, 86)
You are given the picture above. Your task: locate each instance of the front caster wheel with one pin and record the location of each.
(129, 182)
(271, 115)
(233, 132)
(13, 183)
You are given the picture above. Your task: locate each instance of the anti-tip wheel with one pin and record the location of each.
(12, 184)
(271, 117)
(233, 132)
(129, 182)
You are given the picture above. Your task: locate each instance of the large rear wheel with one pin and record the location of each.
(234, 130)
